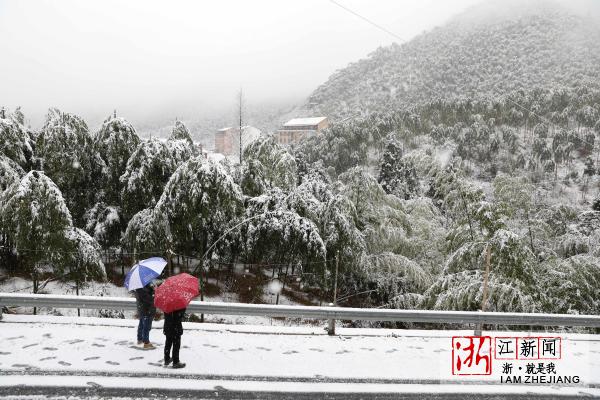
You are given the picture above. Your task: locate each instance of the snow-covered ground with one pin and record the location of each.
(104, 348)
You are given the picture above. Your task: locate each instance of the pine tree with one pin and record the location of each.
(70, 160)
(148, 170)
(36, 218)
(271, 163)
(83, 261)
(181, 132)
(10, 172)
(16, 143)
(200, 201)
(115, 141)
(148, 232)
(104, 223)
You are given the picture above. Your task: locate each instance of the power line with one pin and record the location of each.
(367, 20)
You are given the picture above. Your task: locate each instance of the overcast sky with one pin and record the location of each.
(188, 57)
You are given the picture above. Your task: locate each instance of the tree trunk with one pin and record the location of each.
(77, 291)
(529, 231)
(35, 286)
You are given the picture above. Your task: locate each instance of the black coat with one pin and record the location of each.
(173, 326)
(145, 300)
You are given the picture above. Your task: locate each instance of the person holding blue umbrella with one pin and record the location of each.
(140, 278)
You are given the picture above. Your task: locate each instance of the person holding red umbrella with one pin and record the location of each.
(173, 297)
(173, 329)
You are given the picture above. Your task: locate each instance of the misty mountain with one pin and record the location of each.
(485, 52)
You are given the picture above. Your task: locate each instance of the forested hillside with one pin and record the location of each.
(492, 49)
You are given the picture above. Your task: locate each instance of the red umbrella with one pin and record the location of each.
(176, 292)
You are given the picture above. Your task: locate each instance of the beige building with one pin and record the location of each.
(224, 140)
(227, 140)
(299, 128)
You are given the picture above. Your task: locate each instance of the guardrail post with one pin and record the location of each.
(331, 327)
(478, 328)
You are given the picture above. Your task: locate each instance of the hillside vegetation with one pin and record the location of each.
(489, 50)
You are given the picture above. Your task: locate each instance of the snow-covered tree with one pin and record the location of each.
(181, 132)
(116, 141)
(397, 174)
(10, 172)
(148, 232)
(36, 218)
(511, 281)
(276, 233)
(269, 164)
(104, 223)
(571, 285)
(69, 158)
(200, 201)
(83, 260)
(16, 142)
(148, 171)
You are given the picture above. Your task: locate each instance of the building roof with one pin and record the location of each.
(304, 121)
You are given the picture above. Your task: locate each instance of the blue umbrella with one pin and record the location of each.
(144, 272)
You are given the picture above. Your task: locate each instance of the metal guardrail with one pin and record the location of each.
(325, 313)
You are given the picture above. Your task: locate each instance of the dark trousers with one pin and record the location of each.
(144, 326)
(175, 341)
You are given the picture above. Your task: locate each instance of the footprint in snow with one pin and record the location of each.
(50, 348)
(30, 345)
(102, 339)
(98, 345)
(91, 358)
(263, 348)
(238, 349)
(26, 366)
(47, 358)
(122, 342)
(4, 353)
(74, 341)
(290, 352)
(209, 345)
(367, 348)
(47, 335)
(136, 358)
(155, 364)
(64, 363)
(15, 337)
(342, 352)
(319, 350)
(113, 363)
(392, 351)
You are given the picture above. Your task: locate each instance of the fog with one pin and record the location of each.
(153, 61)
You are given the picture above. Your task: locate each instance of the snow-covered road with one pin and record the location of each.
(96, 348)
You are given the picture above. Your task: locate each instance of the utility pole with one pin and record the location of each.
(240, 104)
